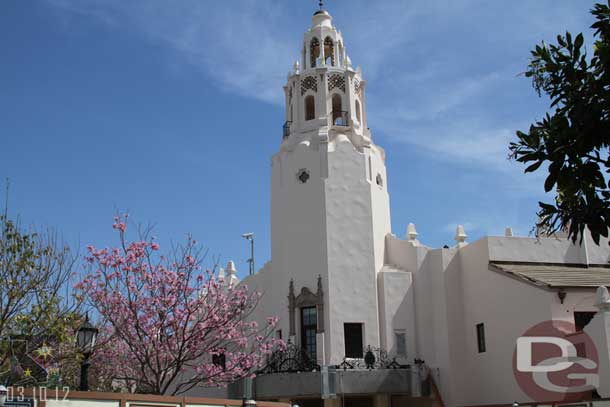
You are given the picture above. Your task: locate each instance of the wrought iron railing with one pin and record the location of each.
(291, 360)
(340, 118)
(286, 130)
(374, 358)
(295, 359)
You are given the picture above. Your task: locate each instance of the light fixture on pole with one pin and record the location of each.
(250, 237)
(85, 340)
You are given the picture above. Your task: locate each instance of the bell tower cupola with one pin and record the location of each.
(324, 93)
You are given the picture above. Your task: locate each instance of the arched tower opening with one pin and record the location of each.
(337, 105)
(329, 51)
(358, 114)
(310, 107)
(314, 51)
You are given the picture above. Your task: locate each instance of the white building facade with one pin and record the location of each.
(341, 282)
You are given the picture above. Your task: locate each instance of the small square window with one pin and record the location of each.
(481, 338)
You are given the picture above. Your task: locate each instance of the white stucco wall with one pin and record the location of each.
(396, 305)
(357, 220)
(298, 228)
(599, 331)
(454, 290)
(508, 307)
(333, 226)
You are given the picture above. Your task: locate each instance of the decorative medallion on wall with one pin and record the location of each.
(303, 175)
(336, 81)
(308, 83)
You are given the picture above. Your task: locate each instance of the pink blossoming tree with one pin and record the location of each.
(168, 325)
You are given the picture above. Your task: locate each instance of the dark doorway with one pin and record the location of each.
(353, 340)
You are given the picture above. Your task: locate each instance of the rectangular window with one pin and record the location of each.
(481, 338)
(401, 343)
(582, 319)
(353, 340)
(278, 334)
(309, 328)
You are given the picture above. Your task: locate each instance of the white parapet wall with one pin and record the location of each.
(599, 331)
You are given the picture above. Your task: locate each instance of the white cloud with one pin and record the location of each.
(240, 47)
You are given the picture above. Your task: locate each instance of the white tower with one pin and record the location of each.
(330, 206)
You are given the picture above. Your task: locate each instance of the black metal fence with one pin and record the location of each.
(296, 359)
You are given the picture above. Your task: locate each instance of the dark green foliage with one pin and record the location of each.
(573, 139)
(36, 305)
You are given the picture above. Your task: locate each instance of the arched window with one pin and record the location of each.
(358, 111)
(310, 107)
(337, 107)
(314, 51)
(329, 51)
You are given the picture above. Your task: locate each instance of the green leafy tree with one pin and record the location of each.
(573, 139)
(37, 309)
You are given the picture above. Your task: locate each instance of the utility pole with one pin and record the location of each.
(250, 237)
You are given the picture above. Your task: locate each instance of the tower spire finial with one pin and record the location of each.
(321, 4)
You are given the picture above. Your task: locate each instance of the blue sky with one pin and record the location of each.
(171, 110)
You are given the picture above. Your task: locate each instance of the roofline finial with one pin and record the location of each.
(321, 4)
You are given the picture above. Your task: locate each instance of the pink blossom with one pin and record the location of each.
(157, 310)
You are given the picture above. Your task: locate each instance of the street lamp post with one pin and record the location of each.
(85, 340)
(247, 400)
(250, 238)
